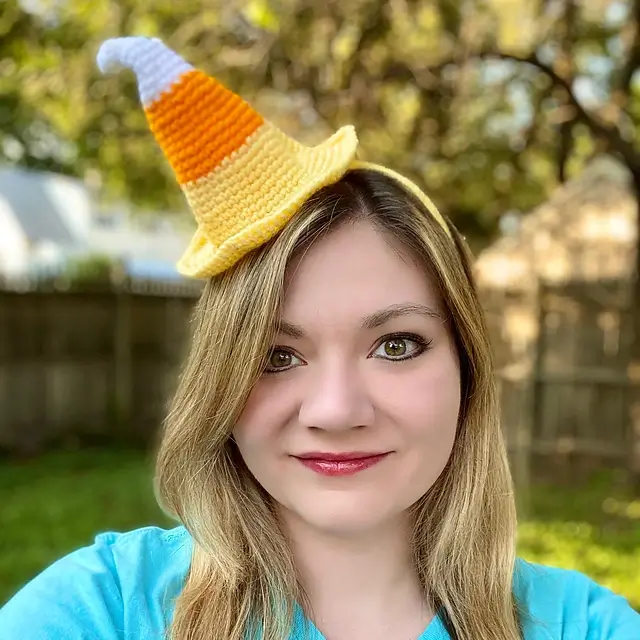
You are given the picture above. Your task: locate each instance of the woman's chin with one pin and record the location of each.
(342, 517)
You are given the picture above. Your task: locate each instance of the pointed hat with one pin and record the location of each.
(242, 176)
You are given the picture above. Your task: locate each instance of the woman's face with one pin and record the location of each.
(356, 416)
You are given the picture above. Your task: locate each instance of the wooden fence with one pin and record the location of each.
(562, 355)
(88, 364)
(96, 363)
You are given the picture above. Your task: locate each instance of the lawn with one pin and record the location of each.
(56, 503)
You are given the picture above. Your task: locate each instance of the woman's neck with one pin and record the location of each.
(356, 582)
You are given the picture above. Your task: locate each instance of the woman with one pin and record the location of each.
(333, 453)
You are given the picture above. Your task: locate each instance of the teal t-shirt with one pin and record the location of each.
(124, 585)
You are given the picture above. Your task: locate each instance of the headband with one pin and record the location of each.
(243, 177)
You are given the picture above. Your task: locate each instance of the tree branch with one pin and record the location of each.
(632, 63)
(424, 78)
(567, 60)
(609, 133)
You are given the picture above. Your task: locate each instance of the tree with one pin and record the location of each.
(24, 129)
(478, 100)
(439, 89)
(359, 61)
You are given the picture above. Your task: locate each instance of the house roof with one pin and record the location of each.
(585, 231)
(35, 205)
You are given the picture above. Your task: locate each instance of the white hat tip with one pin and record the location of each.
(108, 57)
(155, 65)
(115, 54)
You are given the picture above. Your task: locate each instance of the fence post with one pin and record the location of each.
(530, 413)
(40, 363)
(540, 350)
(123, 378)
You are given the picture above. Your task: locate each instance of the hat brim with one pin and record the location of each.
(318, 167)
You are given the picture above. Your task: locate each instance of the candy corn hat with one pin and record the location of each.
(242, 176)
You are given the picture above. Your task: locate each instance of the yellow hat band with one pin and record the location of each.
(411, 187)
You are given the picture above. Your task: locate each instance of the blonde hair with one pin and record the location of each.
(242, 577)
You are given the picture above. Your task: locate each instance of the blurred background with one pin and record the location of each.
(519, 117)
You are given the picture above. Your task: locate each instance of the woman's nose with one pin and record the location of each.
(337, 398)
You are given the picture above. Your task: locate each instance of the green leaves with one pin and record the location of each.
(446, 96)
(260, 15)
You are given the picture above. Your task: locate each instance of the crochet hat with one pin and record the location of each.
(242, 176)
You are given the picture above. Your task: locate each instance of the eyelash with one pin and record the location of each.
(423, 345)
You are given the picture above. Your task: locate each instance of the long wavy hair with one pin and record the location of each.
(242, 581)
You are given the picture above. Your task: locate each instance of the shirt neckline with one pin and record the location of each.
(435, 630)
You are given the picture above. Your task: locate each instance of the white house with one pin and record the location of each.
(147, 245)
(44, 217)
(47, 218)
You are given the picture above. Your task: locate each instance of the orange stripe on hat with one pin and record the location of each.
(196, 141)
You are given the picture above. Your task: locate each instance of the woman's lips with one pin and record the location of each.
(340, 464)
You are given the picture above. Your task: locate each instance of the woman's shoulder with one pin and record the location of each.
(569, 605)
(102, 589)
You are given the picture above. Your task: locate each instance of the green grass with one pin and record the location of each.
(594, 529)
(54, 504)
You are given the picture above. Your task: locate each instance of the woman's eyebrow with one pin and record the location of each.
(372, 321)
(292, 330)
(378, 318)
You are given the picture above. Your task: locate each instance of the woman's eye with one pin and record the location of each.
(281, 360)
(399, 348)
